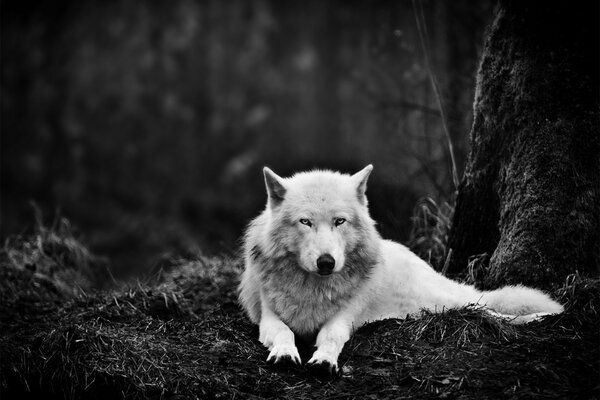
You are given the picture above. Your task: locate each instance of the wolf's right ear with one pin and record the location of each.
(275, 188)
(360, 178)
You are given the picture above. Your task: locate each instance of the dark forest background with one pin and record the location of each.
(147, 124)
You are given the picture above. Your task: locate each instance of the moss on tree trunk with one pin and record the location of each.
(530, 194)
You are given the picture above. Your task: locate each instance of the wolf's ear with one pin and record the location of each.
(360, 179)
(275, 188)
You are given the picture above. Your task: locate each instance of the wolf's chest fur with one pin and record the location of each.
(307, 301)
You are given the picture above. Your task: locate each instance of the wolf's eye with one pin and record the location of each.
(305, 221)
(339, 221)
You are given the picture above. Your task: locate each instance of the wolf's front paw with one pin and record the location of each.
(322, 366)
(284, 355)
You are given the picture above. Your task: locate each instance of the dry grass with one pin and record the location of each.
(55, 254)
(431, 223)
(182, 335)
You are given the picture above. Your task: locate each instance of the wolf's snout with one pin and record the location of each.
(325, 263)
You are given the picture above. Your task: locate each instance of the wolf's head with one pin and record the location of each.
(321, 218)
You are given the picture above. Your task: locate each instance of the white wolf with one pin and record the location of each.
(315, 265)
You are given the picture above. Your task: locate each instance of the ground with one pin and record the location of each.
(181, 334)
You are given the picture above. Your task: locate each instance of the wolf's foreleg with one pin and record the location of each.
(277, 337)
(330, 341)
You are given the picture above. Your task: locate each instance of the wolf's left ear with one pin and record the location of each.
(275, 188)
(360, 178)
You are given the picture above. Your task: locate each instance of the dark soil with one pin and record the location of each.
(183, 335)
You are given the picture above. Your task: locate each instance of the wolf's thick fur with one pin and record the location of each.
(287, 291)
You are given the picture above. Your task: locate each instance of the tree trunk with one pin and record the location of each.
(530, 193)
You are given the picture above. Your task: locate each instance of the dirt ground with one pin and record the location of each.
(181, 334)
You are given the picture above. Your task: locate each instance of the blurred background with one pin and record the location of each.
(147, 124)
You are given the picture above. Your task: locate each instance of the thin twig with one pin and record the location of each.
(423, 36)
(447, 263)
(408, 105)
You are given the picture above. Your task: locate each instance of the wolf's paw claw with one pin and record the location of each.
(283, 361)
(323, 369)
(284, 357)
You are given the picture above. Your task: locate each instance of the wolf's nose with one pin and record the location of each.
(325, 263)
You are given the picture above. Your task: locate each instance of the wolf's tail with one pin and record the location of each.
(522, 303)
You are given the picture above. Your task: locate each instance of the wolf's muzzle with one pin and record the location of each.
(325, 263)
